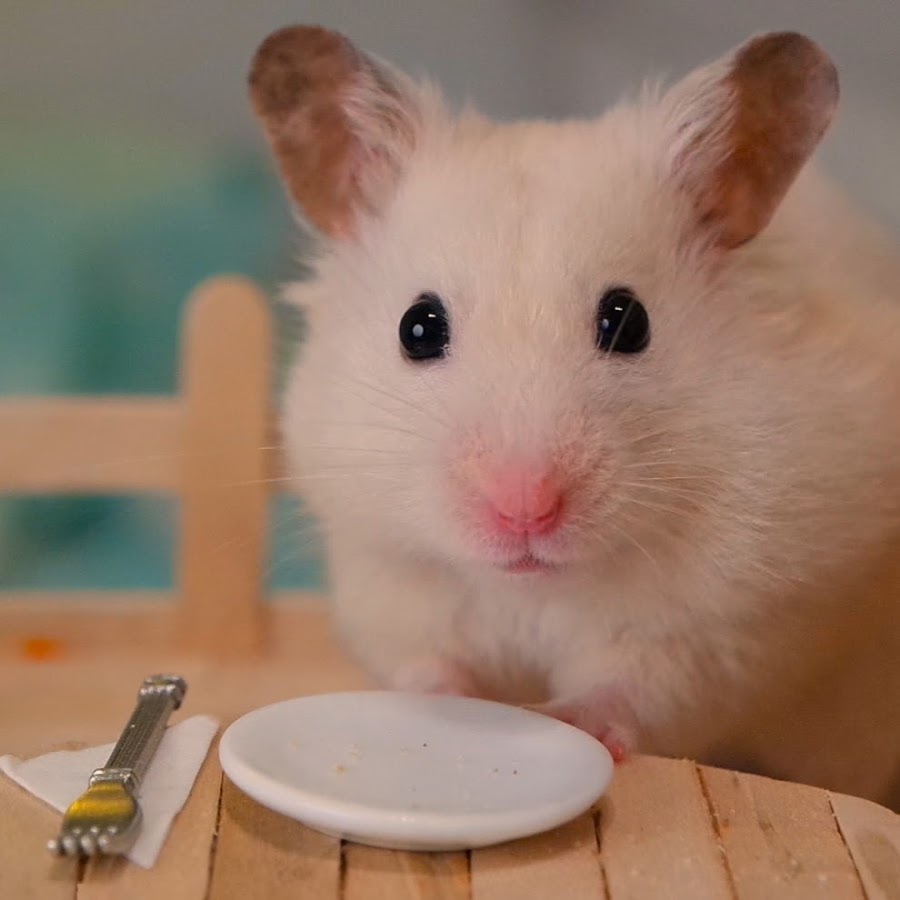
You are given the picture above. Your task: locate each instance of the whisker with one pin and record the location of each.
(397, 398)
(698, 471)
(669, 489)
(338, 448)
(675, 511)
(375, 426)
(339, 476)
(667, 479)
(634, 542)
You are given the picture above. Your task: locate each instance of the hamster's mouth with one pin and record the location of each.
(528, 565)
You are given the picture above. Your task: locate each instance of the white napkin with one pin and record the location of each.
(58, 778)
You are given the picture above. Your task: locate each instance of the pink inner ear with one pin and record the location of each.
(784, 91)
(297, 82)
(332, 121)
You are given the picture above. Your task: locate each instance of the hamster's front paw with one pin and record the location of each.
(435, 675)
(603, 713)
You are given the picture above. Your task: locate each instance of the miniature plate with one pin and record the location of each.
(415, 771)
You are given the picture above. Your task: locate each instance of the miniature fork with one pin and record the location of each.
(107, 816)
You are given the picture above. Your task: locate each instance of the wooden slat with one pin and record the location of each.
(656, 837)
(560, 863)
(73, 624)
(375, 874)
(262, 854)
(649, 844)
(225, 379)
(182, 870)
(781, 839)
(96, 445)
(102, 445)
(27, 871)
(872, 834)
(70, 624)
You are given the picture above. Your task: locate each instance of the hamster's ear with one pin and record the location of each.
(339, 125)
(742, 128)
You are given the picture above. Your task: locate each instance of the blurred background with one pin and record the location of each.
(130, 170)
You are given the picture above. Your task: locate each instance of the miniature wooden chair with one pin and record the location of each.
(210, 445)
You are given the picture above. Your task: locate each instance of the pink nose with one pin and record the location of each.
(523, 501)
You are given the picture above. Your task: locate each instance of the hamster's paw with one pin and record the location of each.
(435, 675)
(603, 714)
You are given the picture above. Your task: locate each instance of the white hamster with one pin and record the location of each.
(603, 416)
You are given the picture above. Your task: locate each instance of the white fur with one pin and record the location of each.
(728, 566)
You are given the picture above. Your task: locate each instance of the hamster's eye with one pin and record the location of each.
(623, 325)
(424, 329)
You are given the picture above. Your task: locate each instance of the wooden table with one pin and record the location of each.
(667, 828)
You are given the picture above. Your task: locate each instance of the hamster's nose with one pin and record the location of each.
(522, 501)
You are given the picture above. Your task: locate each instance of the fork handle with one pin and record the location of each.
(158, 697)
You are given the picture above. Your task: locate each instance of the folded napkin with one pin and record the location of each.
(58, 778)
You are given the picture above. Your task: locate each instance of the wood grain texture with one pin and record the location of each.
(262, 854)
(657, 834)
(656, 837)
(182, 870)
(560, 863)
(90, 444)
(27, 870)
(88, 625)
(44, 703)
(780, 839)
(375, 874)
(102, 445)
(224, 514)
(872, 835)
(84, 623)
(213, 446)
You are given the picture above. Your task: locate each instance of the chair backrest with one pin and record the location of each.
(211, 446)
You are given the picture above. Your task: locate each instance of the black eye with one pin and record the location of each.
(623, 325)
(424, 329)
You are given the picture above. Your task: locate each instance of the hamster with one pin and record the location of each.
(603, 417)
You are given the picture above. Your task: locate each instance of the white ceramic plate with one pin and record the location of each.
(414, 771)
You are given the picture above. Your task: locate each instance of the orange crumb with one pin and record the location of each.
(42, 649)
